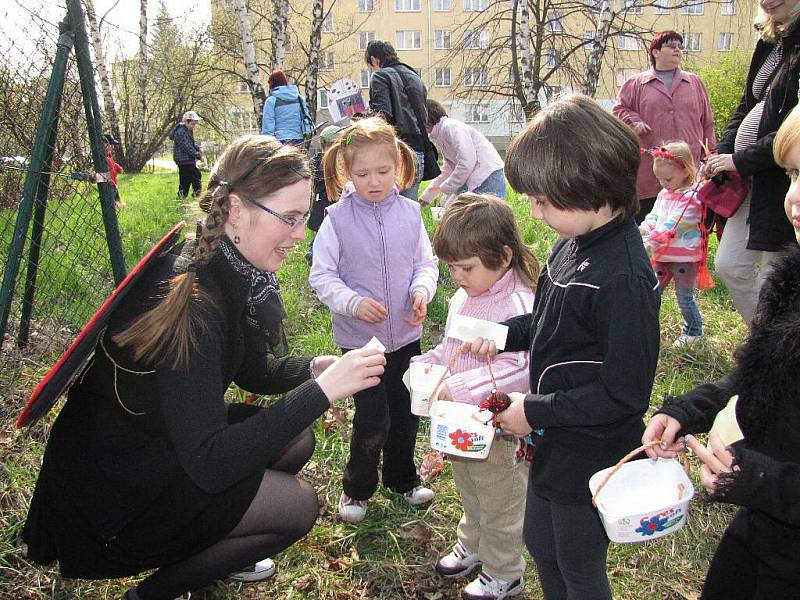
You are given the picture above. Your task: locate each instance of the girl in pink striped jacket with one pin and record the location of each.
(479, 241)
(672, 234)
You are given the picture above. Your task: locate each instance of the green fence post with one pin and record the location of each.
(17, 245)
(92, 109)
(35, 248)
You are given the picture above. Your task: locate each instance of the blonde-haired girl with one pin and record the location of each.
(375, 269)
(672, 233)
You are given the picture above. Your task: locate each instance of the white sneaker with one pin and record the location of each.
(261, 570)
(419, 496)
(351, 510)
(486, 587)
(685, 340)
(459, 563)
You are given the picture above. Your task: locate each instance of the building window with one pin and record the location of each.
(322, 99)
(476, 40)
(442, 77)
(476, 5)
(551, 59)
(327, 23)
(627, 42)
(517, 114)
(632, 6)
(477, 113)
(365, 77)
(242, 119)
(441, 39)
(409, 40)
(725, 41)
(406, 5)
(552, 92)
(443, 5)
(327, 61)
(241, 87)
(366, 6)
(476, 76)
(662, 7)
(692, 42)
(554, 23)
(588, 38)
(693, 7)
(624, 74)
(729, 7)
(364, 38)
(596, 5)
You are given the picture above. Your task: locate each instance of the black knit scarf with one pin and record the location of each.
(265, 311)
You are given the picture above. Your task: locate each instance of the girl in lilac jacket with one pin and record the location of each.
(471, 163)
(375, 270)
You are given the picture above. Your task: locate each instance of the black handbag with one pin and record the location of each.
(430, 168)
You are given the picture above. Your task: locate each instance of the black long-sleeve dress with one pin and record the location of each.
(146, 464)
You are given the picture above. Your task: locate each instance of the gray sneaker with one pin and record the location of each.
(263, 569)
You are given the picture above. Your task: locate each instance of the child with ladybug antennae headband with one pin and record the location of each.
(672, 233)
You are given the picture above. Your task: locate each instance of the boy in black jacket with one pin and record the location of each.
(593, 334)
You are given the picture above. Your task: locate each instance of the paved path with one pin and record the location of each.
(163, 164)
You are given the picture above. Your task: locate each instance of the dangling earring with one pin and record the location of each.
(236, 239)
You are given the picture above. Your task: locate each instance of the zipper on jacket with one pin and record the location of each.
(379, 219)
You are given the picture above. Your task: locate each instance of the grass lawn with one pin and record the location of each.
(390, 554)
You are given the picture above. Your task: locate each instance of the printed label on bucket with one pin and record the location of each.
(652, 524)
(464, 441)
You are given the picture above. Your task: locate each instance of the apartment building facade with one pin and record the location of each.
(462, 49)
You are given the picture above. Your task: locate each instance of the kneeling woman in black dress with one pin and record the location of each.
(147, 467)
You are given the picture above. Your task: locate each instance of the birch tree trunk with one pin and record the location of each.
(139, 133)
(105, 85)
(280, 23)
(249, 55)
(530, 90)
(315, 43)
(595, 60)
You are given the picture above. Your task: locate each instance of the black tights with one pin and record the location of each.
(283, 511)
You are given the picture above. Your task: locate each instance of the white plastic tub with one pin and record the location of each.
(458, 429)
(423, 377)
(645, 500)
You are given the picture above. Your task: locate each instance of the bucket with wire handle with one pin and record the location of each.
(461, 429)
(642, 500)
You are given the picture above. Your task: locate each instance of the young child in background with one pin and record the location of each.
(375, 270)
(113, 168)
(496, 274)
(321, 202)
(593, 335)
(671, 233)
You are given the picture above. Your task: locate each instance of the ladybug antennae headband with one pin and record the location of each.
(662, 152)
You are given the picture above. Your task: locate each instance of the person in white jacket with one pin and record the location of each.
(471, 163)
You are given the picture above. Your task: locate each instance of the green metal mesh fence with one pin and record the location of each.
(64, 247)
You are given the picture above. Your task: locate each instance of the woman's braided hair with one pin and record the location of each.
(254, 166)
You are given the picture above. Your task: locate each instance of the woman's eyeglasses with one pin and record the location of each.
(674, 46)
(289, 220)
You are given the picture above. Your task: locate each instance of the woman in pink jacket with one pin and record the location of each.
(661, 105)
(471, 163)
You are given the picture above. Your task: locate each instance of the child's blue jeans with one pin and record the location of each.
(685, 276)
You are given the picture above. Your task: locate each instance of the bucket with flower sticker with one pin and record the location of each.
(642, 500)
(460, 430)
